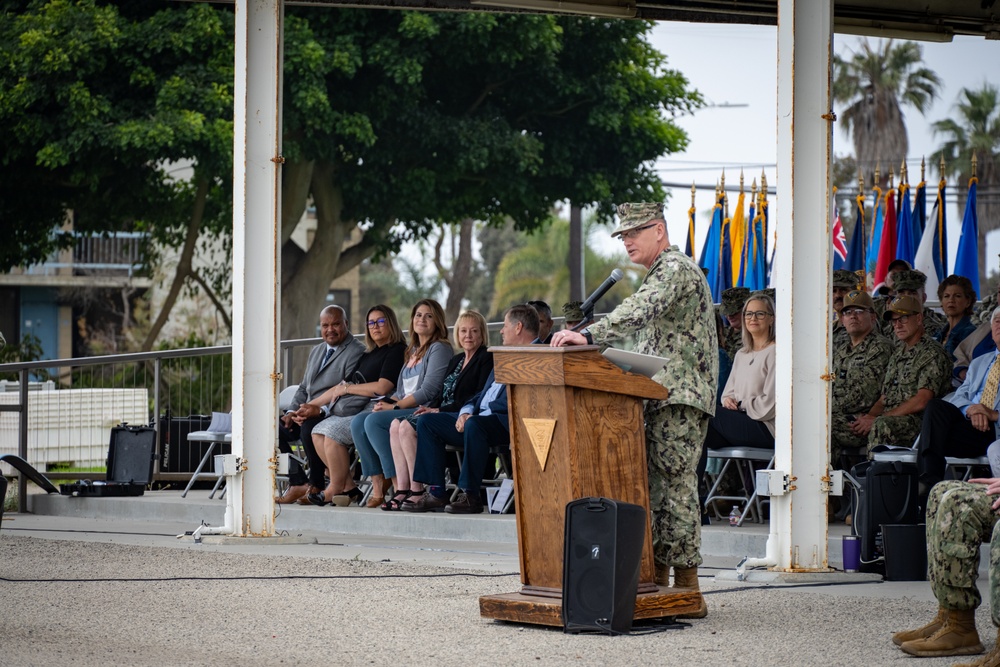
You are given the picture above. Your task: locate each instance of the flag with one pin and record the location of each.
(839, 244)
(926, 259)
(967, 257)
(755, 275)
(856, 253)
(871, 259)
(906, 243)
(887, 245)
(764, 265)
(748, 247)
(725, 275)
(940, 248)
(737, 240)
(710, 252)
(919, 217)
(689, 250)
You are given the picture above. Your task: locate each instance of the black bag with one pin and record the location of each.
(131, 453)
(887, 495)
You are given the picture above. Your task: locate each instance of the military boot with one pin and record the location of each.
(923, 632)
(956, 636)
(686, 580)
(662, 576)
(991, 659)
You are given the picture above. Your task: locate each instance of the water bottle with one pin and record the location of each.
(734, 516)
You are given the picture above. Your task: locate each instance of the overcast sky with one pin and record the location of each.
(737, 65)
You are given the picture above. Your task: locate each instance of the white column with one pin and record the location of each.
(256, 211)
(803, 263)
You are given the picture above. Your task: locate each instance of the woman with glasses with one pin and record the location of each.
(466, 376)
(746, 416)
(419, 383)
(375, 375)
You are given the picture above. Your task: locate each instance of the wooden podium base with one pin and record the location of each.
(539, 610)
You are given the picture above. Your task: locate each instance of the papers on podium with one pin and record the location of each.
(633, 362)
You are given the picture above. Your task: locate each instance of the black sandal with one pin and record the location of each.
(395, 503)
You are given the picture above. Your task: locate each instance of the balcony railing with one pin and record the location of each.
(109, 253)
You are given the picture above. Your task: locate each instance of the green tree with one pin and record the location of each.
(875, 83)
(539, 270)
(975, 130)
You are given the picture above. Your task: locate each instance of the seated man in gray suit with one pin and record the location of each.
(964, 424)
(330, 363)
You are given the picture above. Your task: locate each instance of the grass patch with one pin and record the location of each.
(54, 470)
(10, 499)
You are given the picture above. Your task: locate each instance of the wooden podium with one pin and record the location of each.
(576, 430)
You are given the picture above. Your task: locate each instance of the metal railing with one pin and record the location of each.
(112, 252)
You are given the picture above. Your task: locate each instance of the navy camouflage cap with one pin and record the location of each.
(911, 279)
(903, 305)
(635, 215)
(571, 311)
(845, 278)
(733, 300)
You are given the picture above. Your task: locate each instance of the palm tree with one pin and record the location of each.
(539, 270)
(875, 83)
(975, 130)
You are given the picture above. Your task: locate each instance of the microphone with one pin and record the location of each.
(588, 306)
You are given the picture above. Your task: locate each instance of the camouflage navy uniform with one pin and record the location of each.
(960, 518)
(733, 341)
(924, 366)
(858, 373)
(732, 304)
(671, 315)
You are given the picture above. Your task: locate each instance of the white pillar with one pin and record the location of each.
(256, 219)
(803, 262)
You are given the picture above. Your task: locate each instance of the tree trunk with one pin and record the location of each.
(183, 270)
(457, 279)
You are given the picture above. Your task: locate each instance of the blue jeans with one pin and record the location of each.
(435, 431)
(371, 437)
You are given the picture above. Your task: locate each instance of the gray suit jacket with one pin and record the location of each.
(318, 379)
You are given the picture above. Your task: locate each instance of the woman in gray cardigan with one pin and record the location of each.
(420, 382)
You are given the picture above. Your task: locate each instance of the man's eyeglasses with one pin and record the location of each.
(902, 319)
(853, 312)
(380, 322)
(633, 233)
(755, 314)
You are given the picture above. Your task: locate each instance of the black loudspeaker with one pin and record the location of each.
(888, 495)
(603, 552)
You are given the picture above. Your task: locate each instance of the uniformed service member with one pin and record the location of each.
(671, 315)
(843, 281)
(572, 315)
(911, 283)
(732, 310)
(859, 359)
(918, 371)
(960, 516)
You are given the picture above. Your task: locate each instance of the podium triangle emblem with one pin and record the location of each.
(540, 433)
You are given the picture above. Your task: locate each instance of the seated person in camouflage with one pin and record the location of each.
(918, 371)
(911, 283)
(960, 517)
(859, 359)
(732, 310)
(572, 315)
(844, 281)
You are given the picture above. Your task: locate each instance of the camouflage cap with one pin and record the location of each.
(636, 215)
(571, 311)
(858, 299)
(898, 264)
(733, 300)
(845, 278)
(902, 305)
(909, 280)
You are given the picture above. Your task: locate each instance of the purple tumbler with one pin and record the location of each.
(852, 553)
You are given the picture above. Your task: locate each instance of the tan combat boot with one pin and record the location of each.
(662, 576)
(957, 636)
(686, 579)
(923, 632)
(991, 659)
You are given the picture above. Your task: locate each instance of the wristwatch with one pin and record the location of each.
(586, 334)
(325, 409)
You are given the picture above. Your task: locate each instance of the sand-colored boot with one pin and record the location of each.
(956, 636)
(991, 659)
(922, 632)
(686, 579)
(662, 575)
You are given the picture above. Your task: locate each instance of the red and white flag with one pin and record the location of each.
(839, 239)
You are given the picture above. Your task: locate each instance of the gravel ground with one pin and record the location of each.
(147, 605)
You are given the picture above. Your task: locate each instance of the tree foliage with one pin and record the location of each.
(875, 83)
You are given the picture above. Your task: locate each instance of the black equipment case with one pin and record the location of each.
(888, 495)
(131, 453)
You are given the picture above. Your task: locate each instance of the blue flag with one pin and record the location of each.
(919, 217)
(967, 257)
(941, 234)
(876, 238)
(856, 251)
(710, 253)
(906, 243)
(726, 258)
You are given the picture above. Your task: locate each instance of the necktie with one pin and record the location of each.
(329, 353)
(992, 383)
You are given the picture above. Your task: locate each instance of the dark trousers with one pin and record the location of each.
(436, 431)
(732, 428)
(945, 431)
(303, 432)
